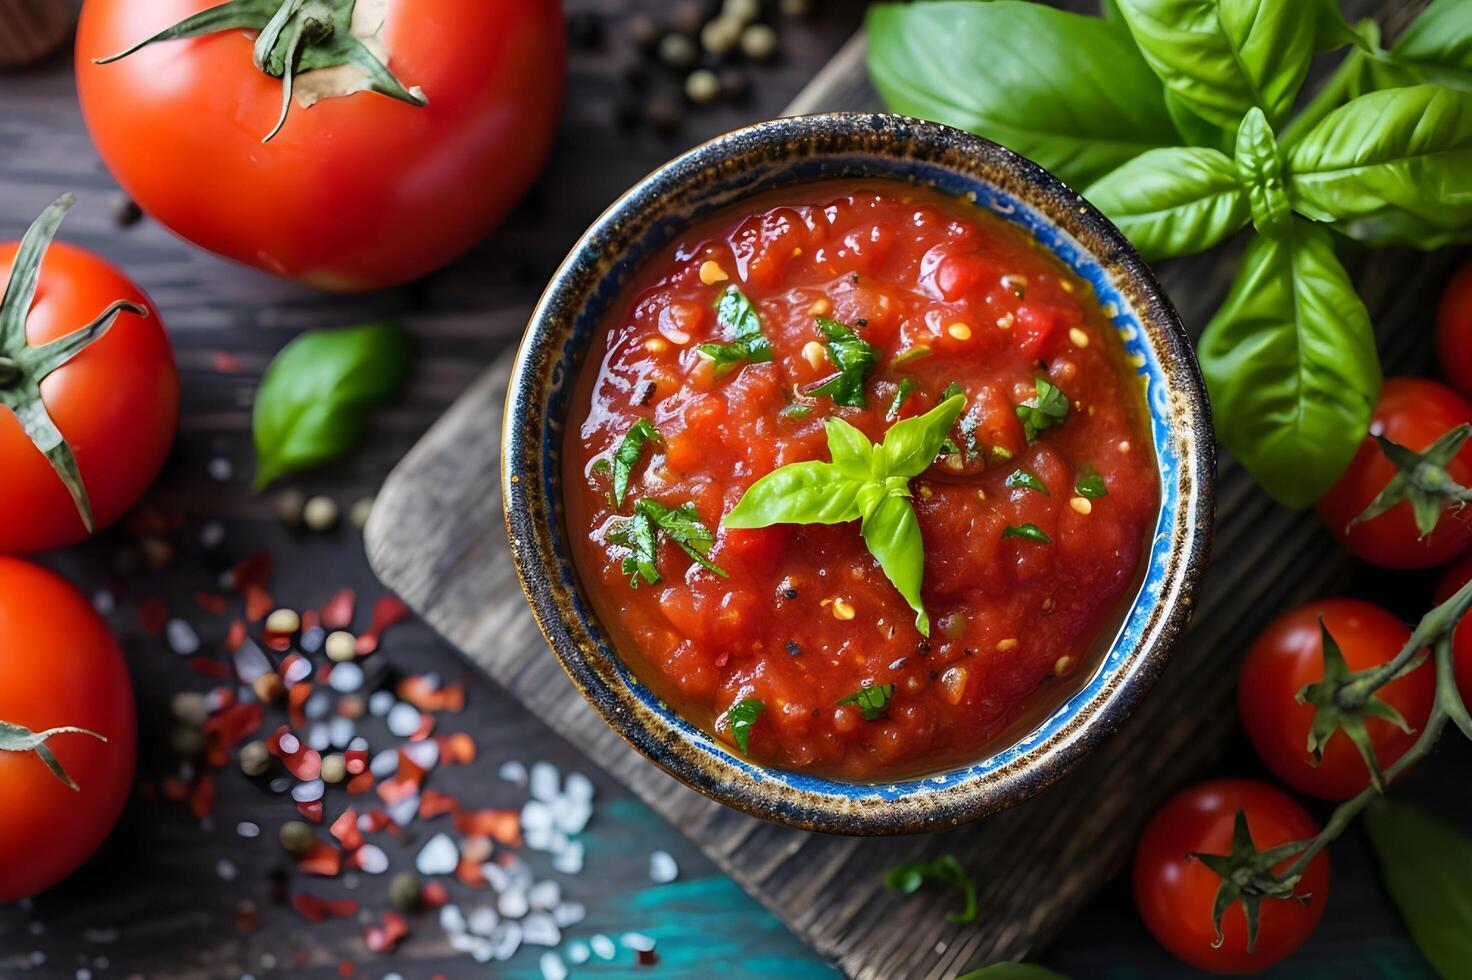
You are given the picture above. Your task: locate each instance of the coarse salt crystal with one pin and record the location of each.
(247, 830)
(551, 967)
(540, 930)
(662, 868)
(577, 952)
(452, 920)
(403, 719)
(250, 662)
(104, 603)
(438, 857)
(569, 860)
(602, 947)
(379, 703)
(371, 859)
(512, 904)
(573, 815)
(308, 792)
(545, 780)
(424, 754)
(226, 869)
(544, 895)
(341, 731)
(345, 678)
(569, 914)
(318, 706)
(506, 940)
(578, 787)
(384, 764)
(318, 737)
(636, 941)
(483, 921)
(512, 772)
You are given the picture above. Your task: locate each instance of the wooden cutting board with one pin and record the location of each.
(438, 539)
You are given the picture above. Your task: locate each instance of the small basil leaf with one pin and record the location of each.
(1290, 363)
(1028, 481)
(1047, 408)
(683, 526)
(740, 320)
(1029, 531)
(873, 702)
(1427, 867)
(800, 493)
(912, 445)
(1260, 169)
(854, 359)
(892, 534)
(1067, 90)
(850, 448)
(742, 716)
(636, 536)
(1090, 484)
(314, 401)
(640, 434)
(1175, 201)
(1222, 57)
(901, 394)
(1388, 162)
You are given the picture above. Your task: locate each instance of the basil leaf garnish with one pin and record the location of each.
(873, 702)
(640, 434)
(862, 482)
(1175, 201)
(1427, 867)
(742, 716)
(945, 870)
(1027, 480)
(913, 354)
(637, 536)
(1090, 484)
(1029, 531)
(854, 359)
(682, 525)
(906, 388)
(1047, 408)
(1066, 90)
(740, 320)
(1291, 366)
(313, 404)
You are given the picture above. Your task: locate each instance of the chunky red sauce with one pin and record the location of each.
(806, 617)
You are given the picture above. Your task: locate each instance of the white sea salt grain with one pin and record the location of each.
(540, 930)
(424, 754)
(578, 787)
(572, 815)
(544, 782)
(318, 706)
(569, 860)
(506, 940)
(226, 869)
(662, 868)
(552, 968)
(452, 920)
(372, 860)
(220, 469)
(345, 678)
(280, 784)
(212, 535)
(636, 941)
(484, 920)
(182, 638)
(384, 764)
(438, 857)
(513, 903)
(318, 737)
(308, 792)
(569, 914)
(577, 952)
(496, 877)
(341, 731)
(512, 772)
(247, 830)
(403, 719)
(544, 895)
(602, 947)
(104, 602)
(379, 703)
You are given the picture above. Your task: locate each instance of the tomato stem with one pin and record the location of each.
(16, 738)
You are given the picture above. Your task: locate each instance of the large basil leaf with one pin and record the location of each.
(800, 493)
(912, 445)
(1173, 201)
(1388, 162)
(1428, 869)
(1290, 362)
(1438, 44)
(892, 534)
(1222, 57)
(1069, 91)
(314, 401)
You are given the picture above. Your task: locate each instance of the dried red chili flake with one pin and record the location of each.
(174, 789)
(247, 917)
(351, 706)
(456, 750)
(153, 614)
(296, 700)
(316, 909)
(258, 603)
(345, 829)
(423, 695)
(337, 612)
(321, 859)
(202, 798)
(226, 362)
(502, 826)
(232, 725)
(476, 849)
(434, 894)
(409, 771)
(426, 729)
(470, 874)
(395, 790)
(236, 635)
(345, 969)
(311, 811)
(311, 619)
(433, 803)
(294, 669)
(209, 667)
(387, 611)
(356, 759)
(252, 570)
(377, 820)
(385, 936)
(212, 602)
(361, 783)
(648, 957)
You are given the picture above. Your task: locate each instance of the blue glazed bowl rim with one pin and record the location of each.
(811, 149)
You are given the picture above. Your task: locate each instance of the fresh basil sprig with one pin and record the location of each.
(1383, 154)
(1428, 869)
(739, 318)
(314, 402)
(944, 870)
(853, 357)
(864, 482)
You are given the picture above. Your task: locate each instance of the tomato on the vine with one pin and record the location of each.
(1455, 577)
(434, 121)
(89, 396)
(1420, 416)
(1288, 656)
(60, 668)
(1175, 890)
(1454, 330)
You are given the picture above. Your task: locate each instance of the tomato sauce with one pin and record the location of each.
(947, 296)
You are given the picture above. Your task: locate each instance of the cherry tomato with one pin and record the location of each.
(1288, 656)
(1454, 330)
(59, 666)
(356, 192)
(116, 404)
(1175, 892)
(1414, 413)
(1456, 577)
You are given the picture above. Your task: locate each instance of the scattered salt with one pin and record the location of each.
(569, 914)
(438, 857)
(540, 930)
(247, 830)
(384, 764)
(372, 860)
(483, 920)
(569, 860)
(308, 792)
(318, 737)
(513, 772)
(181, 637)
(452, 920)
(602, 947)
(552, 968)
(513, 903)
(345, 678)
(577, 953)
(506, 940)
(544, 782)
(636, 941)
(662, 868)
(403, 719)
(544, 895)
(424, 754)
(226, 869)
(379, 703)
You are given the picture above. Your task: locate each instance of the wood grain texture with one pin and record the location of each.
(439, 540)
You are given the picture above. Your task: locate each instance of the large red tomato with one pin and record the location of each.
(1288, 656)
(1456, 577)
(116, 403)
(356, 192)
(1175, 892)
(59, 667)
(1414, 413)
(1454, 330)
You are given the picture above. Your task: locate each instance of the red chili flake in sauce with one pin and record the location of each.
(316, 909)
(321, 859)
(153, 614)
(311, 811)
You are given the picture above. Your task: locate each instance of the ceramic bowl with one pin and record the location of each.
(816, 148)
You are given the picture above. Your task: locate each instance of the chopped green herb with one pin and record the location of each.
(854, 359)
(637, 536)
(906, 388)
(913, 354)
(1029, 531)
(682, 525)
(1028, 480)
(740, 320)
(952, 390)
(1044, 410)
(627, 456)
(945, 870)
(742, 715)
(797, 410)
(1090, 484)
(948, 447)
(1001, 452)
(873, 702)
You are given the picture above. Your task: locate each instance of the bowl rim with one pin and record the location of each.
(533, 521)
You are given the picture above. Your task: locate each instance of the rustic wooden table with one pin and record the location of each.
(162, 899)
